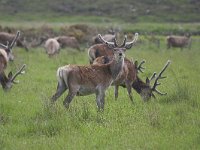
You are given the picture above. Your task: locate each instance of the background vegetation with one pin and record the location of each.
(128, 10)
(28, 121)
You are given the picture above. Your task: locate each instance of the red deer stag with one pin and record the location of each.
(5, 56)
(7, 37)
(91, 79)
(98, 50)
(129, 78)
(178, 41)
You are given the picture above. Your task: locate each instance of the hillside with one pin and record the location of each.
(128, 10)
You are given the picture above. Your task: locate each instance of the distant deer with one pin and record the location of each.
(5, 56)
(52, 47)
(8, 37)
(128, 78)
(179, 41)
(68, 41)
(92, 79)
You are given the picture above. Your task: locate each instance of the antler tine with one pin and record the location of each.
(153, 76)
(115, 41)
(5, 46)
(140, 67)
(109, 44)
(14, 40)
(160, 77)
(124, 42)
(18, 73)
(128, 45)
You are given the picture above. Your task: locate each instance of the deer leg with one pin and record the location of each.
(129, 90)
(61, 88)
(100, 99)
(116, 91)
(68, 99)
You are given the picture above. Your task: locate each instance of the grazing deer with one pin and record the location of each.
(129, 78)
(68, 41)
(145, 89)
(92, 79)
(5, 56)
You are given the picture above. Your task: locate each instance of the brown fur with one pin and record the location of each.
(3, 60)
(178, 41)
(52, 47)
(3, 64)
(92, 79)
(7, 37)
(98, 50)
(67, 41)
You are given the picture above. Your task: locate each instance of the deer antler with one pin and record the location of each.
(14, 40)
(21, 71)
(114, 44)
(12, 43)
(109, 44)
(4, 46)
(156, 83)
(139, 67)
(124, 42)
(128, 45)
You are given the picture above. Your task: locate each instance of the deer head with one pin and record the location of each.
(9, 46)
(7, 82)
(119, 50)
(147, 90)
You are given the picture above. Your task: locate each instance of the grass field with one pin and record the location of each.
(28, 121)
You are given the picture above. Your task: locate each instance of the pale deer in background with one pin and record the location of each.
(5, 56)
(52, 47)
(92, 79)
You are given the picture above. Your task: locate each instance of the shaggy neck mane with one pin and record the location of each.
(116, 67)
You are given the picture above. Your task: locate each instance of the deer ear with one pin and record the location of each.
(10, 75)
(147, 81)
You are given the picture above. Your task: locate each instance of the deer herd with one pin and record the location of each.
(108, 67)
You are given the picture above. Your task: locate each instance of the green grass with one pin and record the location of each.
(28, 121)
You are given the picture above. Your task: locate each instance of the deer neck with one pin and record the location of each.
(116, 67)
(139, 85)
